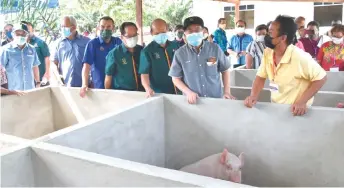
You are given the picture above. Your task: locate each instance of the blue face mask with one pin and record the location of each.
(160, 38)
(9, 34)
(195, 39)
(66, 32)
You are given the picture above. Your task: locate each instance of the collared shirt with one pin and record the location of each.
(331, 56)
(220, 38)
(200, 75)
(180, 42)
(69, 55)
(310, 46)
(123, 66)
(42, 50)
(19, 64)
(95, 55)
(3, 75)
(238, 44)
(256, 50)
(293, 75)
(155, 62)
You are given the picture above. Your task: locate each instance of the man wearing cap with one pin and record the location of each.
(43, 53)
(20, 61)
(197, 66)
(156, 59)
(69, 52)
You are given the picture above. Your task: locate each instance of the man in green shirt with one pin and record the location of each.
(43, 53)
(156, 59)
(122, 62)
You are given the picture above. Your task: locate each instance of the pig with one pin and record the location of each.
(225, 166)
(340, 105)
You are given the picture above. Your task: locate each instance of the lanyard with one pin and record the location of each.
(169, 66)
(135, 73)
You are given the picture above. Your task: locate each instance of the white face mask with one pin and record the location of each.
(260, 38)
(131, 42)
(240, 30)
(337, 40)
(19, 40)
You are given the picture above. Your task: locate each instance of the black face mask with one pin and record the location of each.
(268, 42)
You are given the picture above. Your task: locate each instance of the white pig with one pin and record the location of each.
(225, 166)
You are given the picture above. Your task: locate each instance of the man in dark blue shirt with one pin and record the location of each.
(95, 55)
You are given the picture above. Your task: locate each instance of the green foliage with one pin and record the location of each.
(176, 12)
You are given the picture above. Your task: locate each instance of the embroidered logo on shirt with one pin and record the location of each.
(101, 48)
(29, 52)
(124, 61)
(157, 56)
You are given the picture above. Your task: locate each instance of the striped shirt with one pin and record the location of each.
(256, 50)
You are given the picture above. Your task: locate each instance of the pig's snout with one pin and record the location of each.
(235, 177)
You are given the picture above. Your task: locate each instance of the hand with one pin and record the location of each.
(243, 53)
(83, 91)
(150, 92)
(192, 97)
(18, 93)
(228, 96)
(250, 101)
(47, 75)
(299, 109)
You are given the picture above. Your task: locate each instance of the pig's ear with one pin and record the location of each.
(241, 157)
(223, 156)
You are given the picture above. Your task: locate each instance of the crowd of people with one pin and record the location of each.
(292, 56)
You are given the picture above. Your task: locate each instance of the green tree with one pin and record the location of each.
(176, 12)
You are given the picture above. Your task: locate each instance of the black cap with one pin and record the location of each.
(21, 26)
(193, 20)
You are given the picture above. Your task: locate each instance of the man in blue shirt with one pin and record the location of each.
(69, 51)
(95, 55)
(239, 42)
(220, 37)
(20, 61)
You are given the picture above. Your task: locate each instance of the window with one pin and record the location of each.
(325, 13)
(246, 12)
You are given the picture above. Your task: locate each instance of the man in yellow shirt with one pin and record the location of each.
(294, 76)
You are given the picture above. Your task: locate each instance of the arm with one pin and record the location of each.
(144, 70)
(85, 74)
(36, 75)
(145, 81)
(314, 87)
(87, 63)
(257, 87)
(110, 69)
(231, 48)
(226, 82)
(108, 82)
(178, 82)
(46, 54)
(249, 56)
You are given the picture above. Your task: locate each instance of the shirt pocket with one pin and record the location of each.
(212, 70)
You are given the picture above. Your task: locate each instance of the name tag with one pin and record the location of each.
(334, 69)
(273, 87)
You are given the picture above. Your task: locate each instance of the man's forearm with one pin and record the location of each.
(85, 74)
(36, 73)
(257, 87)
(178, 82)
(249, 60)
(145, 81)
(312, 90)
(226, 81)
(47, 65)
(108, 82)
(232, 52)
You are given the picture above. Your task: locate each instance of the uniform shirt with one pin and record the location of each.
(220, 38)
(95, 55)
(331, 56)
(192, 67)
(156, 61)
(123, 66)
(256, 50)
(19, 64)
(239, 43)
(69, 55)
(42, 50)
(180, 42)
(294, 74)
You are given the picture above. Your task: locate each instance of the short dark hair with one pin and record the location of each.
(26, 23)
(337, 28)
(287, 27)
(219, 21)
(300, 19)
(125, 25)
(240, 21)
(262, 27)
(178, 27)
(107, 18)
(314, 23)
(206, 28)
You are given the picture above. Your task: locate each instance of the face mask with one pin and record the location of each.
(66, 32)
(160, 38)
(205, 36)
(9, 34)
(194, 39)
(240, 30)
(131, 42)
(180, 34)
(337, 40)
(261, 38)
(19, 40)
(106, 34)
(268, 42)
(298, 36)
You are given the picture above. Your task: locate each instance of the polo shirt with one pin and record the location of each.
(18, 64)
(192, 67)
(95, 55)
(239, 43)
(256, 50)
(69, 55)
(220, 38)
(42, 50)
(156, 61)
(294, 74)
(123, 66)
